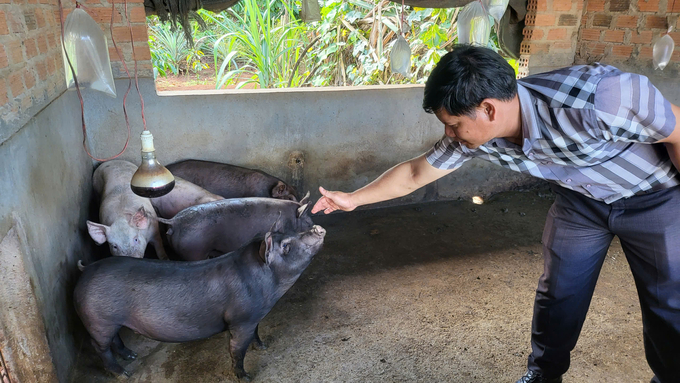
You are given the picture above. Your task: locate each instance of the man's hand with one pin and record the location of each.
(333, 200)
(398, 181)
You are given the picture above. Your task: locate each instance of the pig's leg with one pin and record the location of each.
(241, 337)
(101, 341)
(258, 344)
(120, 349)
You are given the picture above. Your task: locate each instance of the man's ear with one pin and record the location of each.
(488, 107)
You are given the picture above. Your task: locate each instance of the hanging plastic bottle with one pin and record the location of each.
(496, 8)
(400, 58)
(88, 52)
(474, 26)
(663, 50)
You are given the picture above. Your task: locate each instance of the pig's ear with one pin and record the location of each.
(140, 220)
(97, 231)
(263, 251)
(305, 199)
(267, 245)
(303, 209)
(279, 190)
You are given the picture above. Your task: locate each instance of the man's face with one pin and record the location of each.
(469, 132)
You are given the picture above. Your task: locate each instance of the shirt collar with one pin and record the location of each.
(530, 125)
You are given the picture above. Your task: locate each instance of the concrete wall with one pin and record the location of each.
(348, 136)
(44, 193)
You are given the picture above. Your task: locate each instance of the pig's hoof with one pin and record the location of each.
(244, 376)
(259, 346)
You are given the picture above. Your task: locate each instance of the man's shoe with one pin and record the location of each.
(536, 377)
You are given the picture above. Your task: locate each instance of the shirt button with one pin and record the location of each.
(568, 179)
(589, 185)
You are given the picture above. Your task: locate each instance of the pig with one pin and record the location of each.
(232, 181)
(127, 221)
(183, 195)
(192, 300)
(218, 227)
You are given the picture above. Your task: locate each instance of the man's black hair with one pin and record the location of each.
(466, 76)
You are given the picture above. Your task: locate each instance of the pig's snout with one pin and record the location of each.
(318, 230)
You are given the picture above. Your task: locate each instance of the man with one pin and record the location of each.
(607, 142)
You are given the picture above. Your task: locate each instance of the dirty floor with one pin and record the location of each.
(436, 292)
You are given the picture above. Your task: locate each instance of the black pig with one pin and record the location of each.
(232, 181)
(183, 301)
(218, 227)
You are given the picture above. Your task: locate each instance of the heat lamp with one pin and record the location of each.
(151, 179)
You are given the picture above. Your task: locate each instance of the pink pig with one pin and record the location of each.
(128, 221)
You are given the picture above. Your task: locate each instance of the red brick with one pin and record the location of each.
(142, 52)
(626, 22)
(591, 34)
(41, 70)
(16, 22)
(52, 39)
(15, 52)
(40, 17)
(533, 47)
(557, 34)
(4, 61)
(596, 49)
(562, 5)
(602, 20)
(537, 5)
(531, 33)
(3, 92)
(656, 22)
(31, 48)
(595, 6)
(646, 52)
(579, 5)
(16, 84)
(622, 50)
(568, 20)
(648, 5)
(122, 34)
(137, 15)
(103, 16)
(644, 37)
(42, 44)
(26, 102)
(29, 78)
(615, 36)
(113, 55)
(673, 7)
(619, 5)
(543, 20)
(558, 46)
(4, 29)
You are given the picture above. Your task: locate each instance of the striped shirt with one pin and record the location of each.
(588, 128)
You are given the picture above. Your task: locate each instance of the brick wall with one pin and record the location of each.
(550, 35)
(31, 63)
(623, 31)
(30, 60)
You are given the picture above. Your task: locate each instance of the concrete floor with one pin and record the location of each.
(437, 292)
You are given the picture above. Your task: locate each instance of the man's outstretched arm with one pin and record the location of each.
(396, 182)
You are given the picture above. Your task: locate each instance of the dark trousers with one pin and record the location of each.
(576, 237)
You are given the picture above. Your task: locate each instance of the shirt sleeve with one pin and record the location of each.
(447, 154)
(630, 108)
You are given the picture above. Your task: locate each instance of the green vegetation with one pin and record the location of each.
(265, 43)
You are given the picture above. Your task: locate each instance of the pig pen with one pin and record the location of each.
(430, 292)
(398, 293)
